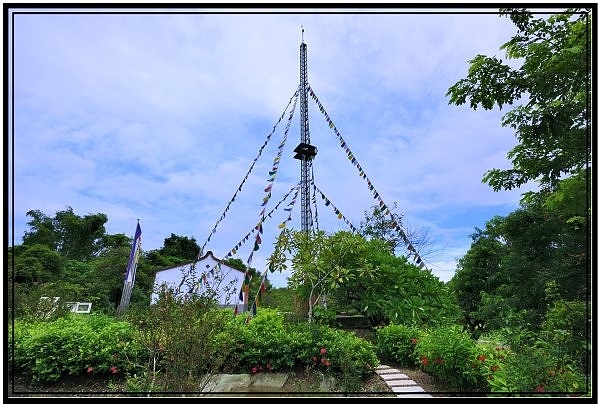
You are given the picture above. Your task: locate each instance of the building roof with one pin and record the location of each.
(208, 253)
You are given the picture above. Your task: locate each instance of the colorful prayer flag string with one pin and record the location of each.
(239, 189)
(362, 174)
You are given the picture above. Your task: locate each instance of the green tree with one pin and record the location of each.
(37, 264)
(553, 87)
(180, 247)
(72, 236)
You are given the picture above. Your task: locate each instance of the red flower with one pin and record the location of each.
(413, 340)
(424, 361)
(540, 388)
(323, 360)
(113, 370)
(481, 358)
(438, 361)
(494, 368)
(327, 363)
(90, 370)
(323, 351)
(254, 370)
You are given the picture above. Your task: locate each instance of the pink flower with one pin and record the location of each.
(327, 363)
(90, 370)
(113, 370)
(323, 351)
(540, 388)
(481, 358)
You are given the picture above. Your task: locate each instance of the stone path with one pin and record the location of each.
(400, 383)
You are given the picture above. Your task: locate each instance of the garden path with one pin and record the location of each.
(400, 383)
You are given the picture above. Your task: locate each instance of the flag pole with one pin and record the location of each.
(131, 270)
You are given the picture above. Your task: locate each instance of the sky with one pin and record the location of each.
(159, 116)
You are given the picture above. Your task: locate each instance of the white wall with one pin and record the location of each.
(224, 281)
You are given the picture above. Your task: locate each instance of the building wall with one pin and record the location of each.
(201, 277)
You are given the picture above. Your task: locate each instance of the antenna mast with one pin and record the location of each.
(304, 151)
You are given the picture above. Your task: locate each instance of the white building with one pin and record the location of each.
(207, 276)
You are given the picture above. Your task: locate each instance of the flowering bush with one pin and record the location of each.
(528, 364)
(397, 342)
(75, 344)
(448, 354)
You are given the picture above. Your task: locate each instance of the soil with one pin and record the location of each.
(301, 384)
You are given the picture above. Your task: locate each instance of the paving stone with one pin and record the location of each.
(389, 377)
(401, 382)
(381, 367)
(388, 371)
(407, 389)
(414, 395)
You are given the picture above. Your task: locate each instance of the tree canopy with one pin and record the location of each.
(550, 93)
(529, 263)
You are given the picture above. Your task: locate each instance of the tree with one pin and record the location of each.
(72, 236)
(363, 275)
(553, 85)
(511, 264)
(392, 230)
(383, 227)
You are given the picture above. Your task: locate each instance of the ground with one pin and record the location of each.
(300, 382)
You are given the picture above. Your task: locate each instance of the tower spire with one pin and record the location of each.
(304, 151)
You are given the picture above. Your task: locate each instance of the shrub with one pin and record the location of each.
(349, 357)
(73, 345)
(449, 355)
(184, 340)
(397, 342)
(531, 364)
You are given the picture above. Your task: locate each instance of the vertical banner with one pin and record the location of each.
(134, 255)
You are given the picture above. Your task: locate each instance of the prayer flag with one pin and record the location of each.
(134, 254)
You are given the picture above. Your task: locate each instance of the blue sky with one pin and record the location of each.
(159, 116)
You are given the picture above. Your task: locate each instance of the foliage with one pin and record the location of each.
(450, 356)
(323, 315)
(397, 342)
(567, 330)
(269, 344)
(72, 236)
(553, 85)
(279, 298)
(506, 271)
(183, 342)
(354, 273)
(378, 225)
(73, 345)
(527, 363)
(36, 264)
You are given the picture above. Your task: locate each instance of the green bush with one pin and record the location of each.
(267, 343)
(74, 345)
(527, 363)
(346, 355)
(397, 342)
(450, 356)
(184, 341)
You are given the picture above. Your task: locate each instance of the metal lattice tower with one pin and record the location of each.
(304, 151)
